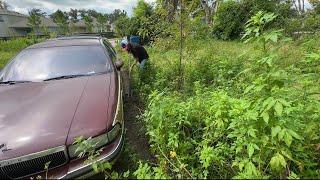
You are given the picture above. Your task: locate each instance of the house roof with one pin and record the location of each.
(24, 23)
(12, 13)
(44, 21)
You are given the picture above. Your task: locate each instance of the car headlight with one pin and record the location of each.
(98, 141)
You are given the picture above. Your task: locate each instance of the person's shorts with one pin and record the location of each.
(143, 64)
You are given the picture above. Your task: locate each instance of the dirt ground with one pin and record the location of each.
(136, 138)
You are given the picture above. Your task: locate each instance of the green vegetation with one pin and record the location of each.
(242, 113)
(8, 49)
(242, 109)
(246, 108)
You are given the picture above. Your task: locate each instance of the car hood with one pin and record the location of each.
(38, 116)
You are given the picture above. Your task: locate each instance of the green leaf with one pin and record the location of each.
(46, 166)
(107, 165)
(114, 175)
(250, 150)
(294, 134)
(287, 155)
(126, 174)
(95, 167)
(271, 103)
(293, 176)
(283, 162)
(278, 162)
(274, 38)
(278, 108)
(281, 134)
(275, 131)
(284, 102)
(252, 133)
(287, 138)
(249, 89)
(265, 116)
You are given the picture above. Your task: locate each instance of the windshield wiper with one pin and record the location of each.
(65, 77)
(71, 76)
(13, 82)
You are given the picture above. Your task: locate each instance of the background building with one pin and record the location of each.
(13, 24)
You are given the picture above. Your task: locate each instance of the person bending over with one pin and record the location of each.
(139, 53)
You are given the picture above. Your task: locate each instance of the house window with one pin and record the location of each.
(1, 19)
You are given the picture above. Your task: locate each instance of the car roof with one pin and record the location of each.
(69, 41)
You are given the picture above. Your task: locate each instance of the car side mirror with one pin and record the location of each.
(119, 64)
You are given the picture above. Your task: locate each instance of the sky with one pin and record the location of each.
(50, 6)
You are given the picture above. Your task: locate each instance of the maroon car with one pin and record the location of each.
(52, 93)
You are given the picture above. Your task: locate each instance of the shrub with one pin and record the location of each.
(230, 19)
(243, 113)
(9, 49)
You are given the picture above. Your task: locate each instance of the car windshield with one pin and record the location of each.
(46, 63)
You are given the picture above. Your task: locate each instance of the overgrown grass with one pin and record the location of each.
(10, 48)
(240, 112)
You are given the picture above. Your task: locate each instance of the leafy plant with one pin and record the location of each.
(255, 29)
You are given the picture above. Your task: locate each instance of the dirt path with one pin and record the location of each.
(136, 145)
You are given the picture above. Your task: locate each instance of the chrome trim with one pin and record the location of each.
(35, 155)
(119, 109)
(87, 168)
(98, 141)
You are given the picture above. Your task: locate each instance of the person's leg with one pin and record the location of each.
(143, 68)
(143, 64)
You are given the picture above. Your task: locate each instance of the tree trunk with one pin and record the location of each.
(209, 10)
(300, 6)
(171, 6)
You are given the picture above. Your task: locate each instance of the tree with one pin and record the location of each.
(73, 15)
(4, 5)
(143, 9)
(170, 6)
(34, 19)
(93, 13)
(123, 26)
(82, 13)
(316, 6)
(87, 18)
(300, 6)
(116, 14)
(102, 21)
(89, 23)
(210, 8)
(61, 19)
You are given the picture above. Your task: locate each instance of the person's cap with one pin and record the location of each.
(123, 43)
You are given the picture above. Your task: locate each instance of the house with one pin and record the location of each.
(13, 24)
(8, 18)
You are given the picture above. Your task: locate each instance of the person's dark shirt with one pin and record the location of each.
(138, 52)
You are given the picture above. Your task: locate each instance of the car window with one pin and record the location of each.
(44, 63)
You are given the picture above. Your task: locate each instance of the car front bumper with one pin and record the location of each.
(77, 168)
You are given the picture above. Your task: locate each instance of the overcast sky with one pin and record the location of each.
(49, 6)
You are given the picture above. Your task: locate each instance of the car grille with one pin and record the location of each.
(33, 163)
